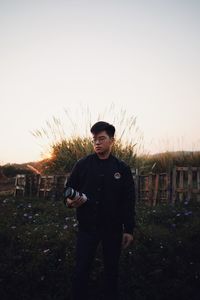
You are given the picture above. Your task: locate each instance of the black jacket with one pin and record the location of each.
(109, 186)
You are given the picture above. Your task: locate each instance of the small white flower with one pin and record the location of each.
(46, 250)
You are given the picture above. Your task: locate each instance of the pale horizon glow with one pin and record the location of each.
(142, 56)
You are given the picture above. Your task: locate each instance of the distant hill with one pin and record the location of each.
(10, 170)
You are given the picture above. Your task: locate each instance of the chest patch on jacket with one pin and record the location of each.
(117, 175)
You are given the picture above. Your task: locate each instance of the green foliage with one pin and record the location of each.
(38, 250)
(70, 141)
(65, 147)
(125, 152)
(66, 153)
(166, 253)
(163, 162)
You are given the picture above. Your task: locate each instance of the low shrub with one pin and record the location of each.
(37, 238)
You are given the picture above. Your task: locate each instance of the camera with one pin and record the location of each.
(73, 194)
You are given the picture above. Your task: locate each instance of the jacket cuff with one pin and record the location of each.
(129, 228)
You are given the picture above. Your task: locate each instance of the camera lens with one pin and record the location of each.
(73, 194)
(70, 193)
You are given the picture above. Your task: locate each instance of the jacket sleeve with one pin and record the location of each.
(128, 202)
(72, 181)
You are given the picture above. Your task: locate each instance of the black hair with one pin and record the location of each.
(103, 126)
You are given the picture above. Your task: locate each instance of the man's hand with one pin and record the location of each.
(127, 239)
(76, 202)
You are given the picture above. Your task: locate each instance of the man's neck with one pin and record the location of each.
(103, 155)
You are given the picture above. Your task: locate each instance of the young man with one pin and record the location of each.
(106, 216)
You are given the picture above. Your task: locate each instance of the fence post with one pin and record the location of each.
(136, 178)
(174, 185)
(190, 186)
(150, 188)
(155, 194)
(181, 184)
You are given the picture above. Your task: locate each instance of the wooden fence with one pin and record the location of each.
(180, 184)
(186, 183)
(39, 186)
(154, 188)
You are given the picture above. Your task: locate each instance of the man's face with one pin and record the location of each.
(102, 142)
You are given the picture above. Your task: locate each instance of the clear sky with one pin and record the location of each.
(140, 55)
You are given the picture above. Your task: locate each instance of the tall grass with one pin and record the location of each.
(65, 141)
(164, 162)
(69, 140)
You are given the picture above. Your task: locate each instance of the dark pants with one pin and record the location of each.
(86, 247)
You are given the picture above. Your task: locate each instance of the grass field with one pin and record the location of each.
(37, 239)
